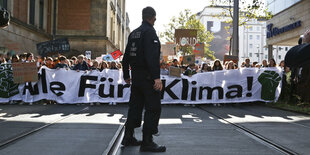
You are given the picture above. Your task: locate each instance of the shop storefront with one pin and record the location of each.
(291, 19)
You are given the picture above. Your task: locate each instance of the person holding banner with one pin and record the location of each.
(142, 55)
(81, 64)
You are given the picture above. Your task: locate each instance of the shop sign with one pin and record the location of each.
(271, 32)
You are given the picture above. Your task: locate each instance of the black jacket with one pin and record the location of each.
(142, 54)
(81, 67)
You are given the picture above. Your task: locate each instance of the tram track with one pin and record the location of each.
(254, 135)
(28, 133)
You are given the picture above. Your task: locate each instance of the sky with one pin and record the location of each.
(165, 10)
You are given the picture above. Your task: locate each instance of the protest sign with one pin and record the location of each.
(199, 50)
(53, 47)
(88, 54)
(25, 72)
(186, 37)
(175, 71)
(168, 49)
(189, 59)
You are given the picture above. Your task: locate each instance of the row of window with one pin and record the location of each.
(251, 28)
(280, 48)
(257, 37)
(266, 56)
(32, 11)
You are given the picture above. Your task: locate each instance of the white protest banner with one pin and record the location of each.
(231, 86)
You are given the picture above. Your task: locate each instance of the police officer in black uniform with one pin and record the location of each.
(142, 56)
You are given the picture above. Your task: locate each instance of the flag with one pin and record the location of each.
(116, 54)
(108, 58)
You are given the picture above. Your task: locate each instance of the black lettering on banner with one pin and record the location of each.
(111, 91)
(168, 89)
(61, 87)
(194, 91)
(210, 92)
(120, 89)
(83, 84)
(32, 91)
(234, 93)
(43, 79)
(184, 89)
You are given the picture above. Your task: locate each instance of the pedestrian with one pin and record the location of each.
(103, 65)
(217, 65)
(62, 63)
(142, 54)
(95, 65)
(49, 62)
(163, 70)
(15, 59)
(81, 64)
(29, 57)
(247, 63)
(190, 71)
(2, 59)
(264, 64)
(272, 63)
(230, 65)
(175, 63)
(113, 66)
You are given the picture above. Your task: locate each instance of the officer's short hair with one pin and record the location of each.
(148, 13)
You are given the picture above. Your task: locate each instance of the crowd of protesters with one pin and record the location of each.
(217, 65)
(79, 63)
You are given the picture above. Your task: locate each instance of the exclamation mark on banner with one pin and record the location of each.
(250, 84)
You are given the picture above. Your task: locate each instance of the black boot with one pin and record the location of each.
(148, 145)
(129, 139)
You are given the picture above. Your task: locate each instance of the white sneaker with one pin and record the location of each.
(91, 104)
(30, 103)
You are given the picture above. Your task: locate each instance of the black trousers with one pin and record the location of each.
(143, 96)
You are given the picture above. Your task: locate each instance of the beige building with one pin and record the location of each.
(291, 19)
(100, 26)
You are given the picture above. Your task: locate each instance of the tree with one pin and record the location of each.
(187, 20)
(249, 10)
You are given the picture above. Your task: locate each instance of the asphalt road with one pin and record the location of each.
(84, 129)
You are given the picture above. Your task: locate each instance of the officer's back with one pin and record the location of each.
(143, 45)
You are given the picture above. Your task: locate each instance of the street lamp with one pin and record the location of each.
(258, 53)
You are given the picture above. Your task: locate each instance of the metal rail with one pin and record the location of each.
(255, 135)
(115, 143)
(21, 136)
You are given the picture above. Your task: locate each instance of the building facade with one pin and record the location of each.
(252, 36)
(100, 26)
(291, 19)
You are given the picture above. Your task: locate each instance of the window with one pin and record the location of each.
(250, 54)
(32, 11)
(258, 28)
(251, 45)
(257, 37)
(4, 4)
(279, 57)
(286, 48)
(41, 15)
(266, 56)
(251, 37)
(251, 28)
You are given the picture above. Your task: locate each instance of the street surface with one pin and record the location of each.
(205, 129)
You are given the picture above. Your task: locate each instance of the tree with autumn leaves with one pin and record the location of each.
(187, 20)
